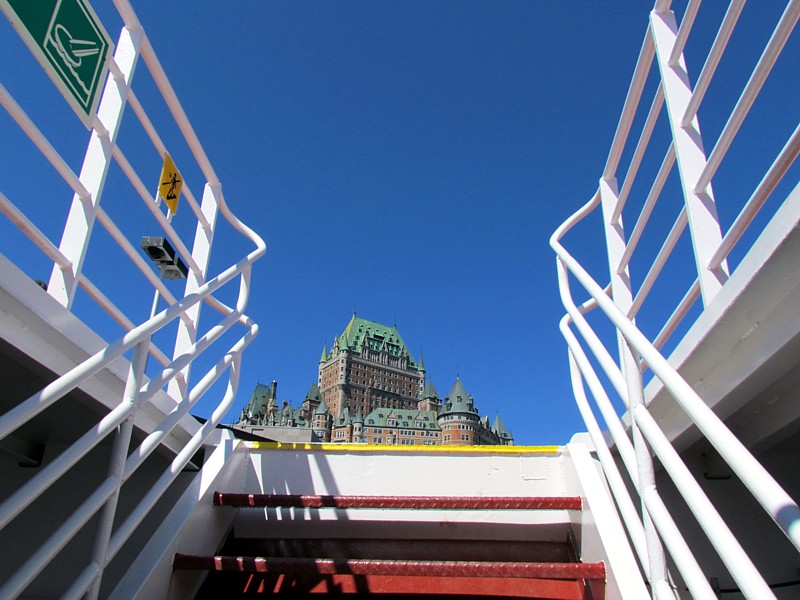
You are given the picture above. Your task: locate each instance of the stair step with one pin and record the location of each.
(399, 502)
(233, 586)
(425, 568)
(258, 575)
(403, 549)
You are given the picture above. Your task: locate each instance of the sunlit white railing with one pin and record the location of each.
(173, 378)
(639, 438)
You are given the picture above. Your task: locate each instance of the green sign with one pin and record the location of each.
(68, 40)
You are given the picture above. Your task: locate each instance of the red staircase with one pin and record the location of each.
(247, 567)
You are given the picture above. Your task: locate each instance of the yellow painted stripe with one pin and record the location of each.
(307, 447)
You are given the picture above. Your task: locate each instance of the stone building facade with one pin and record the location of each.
(370, 390)
(369, 366)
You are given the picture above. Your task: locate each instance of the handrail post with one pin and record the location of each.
(646, 472)
(116, 469)
(622, 295)
(201, 252)
(621, 288)
(701, 207)
(83, 212)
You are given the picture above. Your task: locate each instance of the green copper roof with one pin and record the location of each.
(403, 418)
(322, 408)
(499, 428)
(458, 400)
(344, 418)
(324, 356)
(313, 393)
(259, 400)
(376, 336)
(421, 365)
(430, 391)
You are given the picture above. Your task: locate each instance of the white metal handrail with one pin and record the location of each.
(191, 342)
(750, 92)
(666, 42)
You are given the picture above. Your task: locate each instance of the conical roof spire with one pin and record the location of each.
(430, 391)
(499, 428)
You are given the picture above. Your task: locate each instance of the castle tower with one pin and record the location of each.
(368, 366)
(459, 419)
(429, 400)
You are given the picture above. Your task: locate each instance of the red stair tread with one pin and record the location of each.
(409, 586)
(400, 502)
(428, 568)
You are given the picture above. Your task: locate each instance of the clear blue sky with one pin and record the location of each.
(406, 159)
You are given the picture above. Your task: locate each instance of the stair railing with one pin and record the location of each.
(172, 378)
(652, 528)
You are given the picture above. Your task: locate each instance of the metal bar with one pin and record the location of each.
(107, 305)
(683, 32)
(431, 568)
(664, 524)
(631, 102)
(614, 231)
(135, 256)
(151, 442)
(678, 549)
(52, 392)
(750, 93)
(714, 56)
(647, 209)
(25, 575)
(765, 188)
(44, 146)
(615, 428)
(116, 314)
(201, 255)
(672, 323)
(175, 107)
(168, 93)
(768, 492)
(646, 470)
(128, 526)
(166, 226)
(610, 470)
(49, 474)
(661, 259)
(138, 109)
(80, 221)
(727, 546)
(173, 369)
(700, 205)
(638, 154)
(78, 588)
(400, 502)
(622, 297)
(676, 545)
(34, 233)
(119, 453)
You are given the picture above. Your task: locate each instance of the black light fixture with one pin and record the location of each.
(163, 254)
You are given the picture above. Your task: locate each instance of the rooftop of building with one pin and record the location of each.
(360, 333)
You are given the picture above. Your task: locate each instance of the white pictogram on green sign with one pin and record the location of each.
(70, 43)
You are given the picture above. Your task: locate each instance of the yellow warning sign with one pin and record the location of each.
(169, 186)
